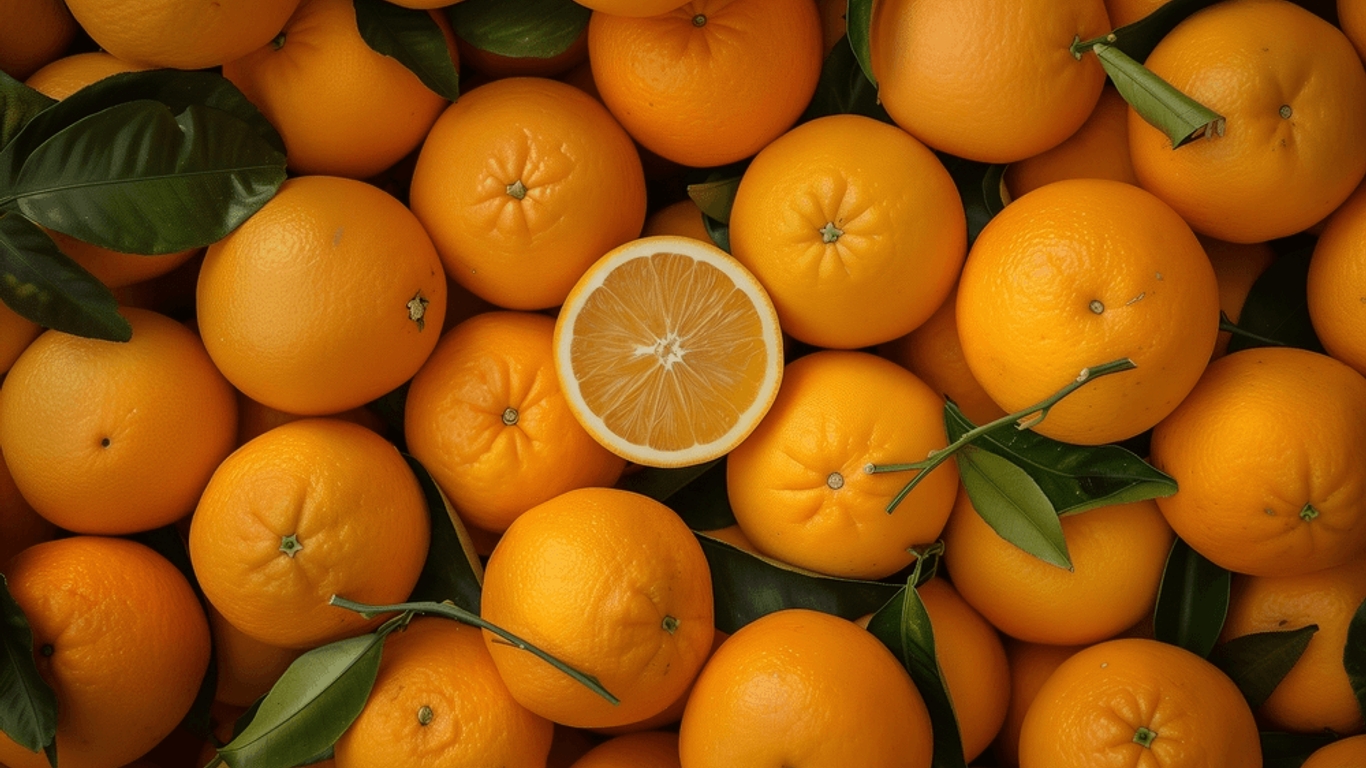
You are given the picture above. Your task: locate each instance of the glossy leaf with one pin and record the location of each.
(661, 484)
(452, 570)
(718, 232)
(1192, 600)
(981, 189)
(1257, 662)
(1354, 655)
(696, 493)
(28, 706)
(519, 28)
(412, 37)
(42, 284)
(18, 105)
(715, 196)
(1139, 38)
(1290, 750)
(1180, 117)
(844, 89)
(1009, 500)
(858, 23)
(1277, 305)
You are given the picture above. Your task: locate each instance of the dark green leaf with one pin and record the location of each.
(844, 89)
(903, 626)
(28, 707)
(1192, 600)
(980, 187)
(702, 502)
(1277, 306)
(715, 196)
(42, 284)
(310, 706)
(1009, 500)
(1354, 655)
(1174, 113)
(519, 28)
(1290, 750)
(718, 232)
(661, 484)
(1139, 38)
(1258, 661)
(452, 570)
(858, 23)
(746, 586)
(18, 105)
(413, 38)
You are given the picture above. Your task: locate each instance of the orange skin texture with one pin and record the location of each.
(182, 34)
(1088, 711)
(308, 307)
(36, 32)
(1236, 267)
(1030, 665)
(1265, 433)
(854, 227)
(355, 509)
(1117, 552)
(1352, 21)
(584, 189)
(1337, 283)
(831, 416)
(1125, 12)
(648, 749)
(62, 77)
(1343, 753)
(1029, 296)
(800, 687)
(255, 419)
(16, 333)
(1098, 150)
(129, 643)
(682, 218)
(247, 667)
(1269, 175)
(112, 438)
(713, 94)
(593, 576)
(983, 80)
(20, 526)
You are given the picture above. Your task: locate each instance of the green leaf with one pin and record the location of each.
(1192, 600)
(1277, 305)
(519, 28)
(452, 570)
(18, 105)
(1139, 38)
(746, 586)
(310, 706)
(903, 625)
(661, 484)
(1174, 113)
(1009, 500)
(42, 284)
(715, 196)
(858, 23)
(1258, 661)
(413, 38)
(28, 706)
(980, 187)
(718, 232)
(696, 493)
(1354, 655)
(844, 89)
(1290, 750)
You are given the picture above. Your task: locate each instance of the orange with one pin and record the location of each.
(799, 687)
(35, 33)
(119, 635)
(255, 419)
(798, 485)
(1030, 665)
(632, 7)
(681, 218)
(438, 700)
(1117, 553)
(110, 437)
(1076, 274)
(1135, 702)
(16, 333)
(1125, 12)
(712, 81)
(670, 715)
(1337, 283)
(183, 34)
(62, 77)
(341, 107)
(523, 183)
(973, 663)
(668, 351)
(20, 526)
(648, 749)
(1236, 267)
(1343, 753)
(855, 229)
(1352, 20)
(833, 25)
(1293, 92)
(1098, 150)
(328, 297)
(246, 667)
(951, 72)
(485, 415)
(1266, 452)
(308, 510)
(637, 614)
(1316, 694)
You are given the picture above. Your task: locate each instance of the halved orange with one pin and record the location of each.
(668, 351)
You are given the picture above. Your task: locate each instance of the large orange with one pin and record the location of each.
(523, 183)
(1030, 665)
(184, 34)
(854, 227)
(799, 687)
(1079, 273)
(985, 80)
(35, 33)
(328, 297)
(1267, 455)
(110, 437)
(119, 635)
(712, 81)
(1135, 703)
(1099, 149)
(636, 613)
(973, 663)
(1337, 282)
(1343, 753)
(1293, 92)
(308, 510)
(648, 749)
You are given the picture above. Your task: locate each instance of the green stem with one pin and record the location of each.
(1227, 325)
(1025, 419)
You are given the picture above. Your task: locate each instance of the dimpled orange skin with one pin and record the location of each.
(973, 663)
(183, 34)
(1337, 283)
(1080, 273)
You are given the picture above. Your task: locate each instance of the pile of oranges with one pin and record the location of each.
(515, 291)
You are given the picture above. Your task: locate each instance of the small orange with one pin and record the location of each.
(648, 749)
(1030, 665)
(184, 34)
(1337, 283)
(681, 218)
(1343, 753)
(254, 419)
(1236, 267)
(246, 667)
(1099, 149)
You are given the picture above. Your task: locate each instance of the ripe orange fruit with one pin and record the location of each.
(682, 218)
(798, 484)
(1030, 665)
(1343, 753)
(62, 77)
(1236, 267)
(1076, 274)
(712, 81)
(109, 437)
(246, 667)
(1266, 452)
(1337, 280)
(438, 700)
(1099, 149)
(119, 635)
(950, 72)
(254, 419)
(486, 417)
(523, 183)
(802, 687)
(341, 107)
(833, 23)
(648, 749)
(637, 615)
(1117, 552)
(16, 333)
(310, 509)
(855, 229)
(181, 33)
(20, 526)
(328, 297)
(1138, 702)
(1293, 92)
(1352, 21)
(973, 663)
(668, 351)
(35, 33)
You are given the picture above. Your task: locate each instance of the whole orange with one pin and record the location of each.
(679, 218)
(35, 33)
(1030, 665)
(184, 34)
(1099, 149)
(972, 661)
(1337, 279)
